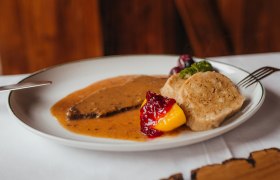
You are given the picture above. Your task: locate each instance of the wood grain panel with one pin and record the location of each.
(37, 33)
(12, 48)
(137, 27)
(40, 33)
(228, 27)
(204, 28)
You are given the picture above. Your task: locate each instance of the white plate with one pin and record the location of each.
(31, 107)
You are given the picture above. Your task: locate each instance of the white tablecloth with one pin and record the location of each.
(24, 155)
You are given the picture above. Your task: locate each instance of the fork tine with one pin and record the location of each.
(250, 76)
(261, 76)
(256, 77)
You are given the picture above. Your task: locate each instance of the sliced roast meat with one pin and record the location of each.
(111, 100)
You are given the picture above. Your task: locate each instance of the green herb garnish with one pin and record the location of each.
(201, 66)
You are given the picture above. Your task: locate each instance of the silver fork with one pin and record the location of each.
(256, 76)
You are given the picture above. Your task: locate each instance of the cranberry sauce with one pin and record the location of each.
(155, 108)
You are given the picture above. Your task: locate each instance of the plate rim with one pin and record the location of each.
(131, 146)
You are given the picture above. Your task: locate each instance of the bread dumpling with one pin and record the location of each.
(207, 98)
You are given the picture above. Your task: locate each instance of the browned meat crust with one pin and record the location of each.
(111, 100)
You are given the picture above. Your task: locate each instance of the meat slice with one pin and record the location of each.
(115, 99)
(207, 98)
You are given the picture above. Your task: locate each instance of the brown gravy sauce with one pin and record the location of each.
(125, 125)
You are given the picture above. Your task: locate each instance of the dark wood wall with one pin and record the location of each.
(137, 27)
(39, 33)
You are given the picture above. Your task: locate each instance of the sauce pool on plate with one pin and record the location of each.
(123, 125)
